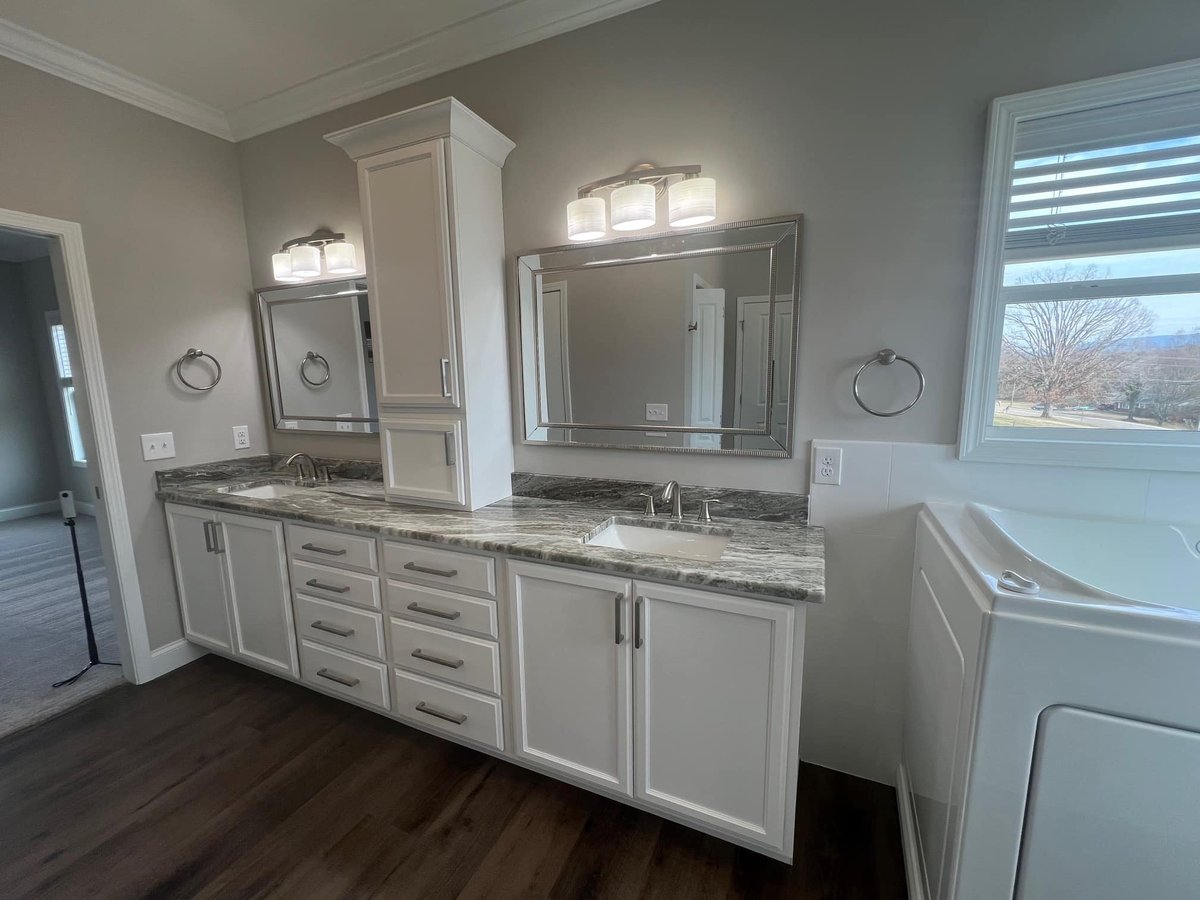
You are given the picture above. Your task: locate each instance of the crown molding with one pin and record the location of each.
(32, 49)
(515, 24)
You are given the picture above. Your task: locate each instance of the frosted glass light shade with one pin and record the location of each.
(281, 266)
(585, 219)
(692, 201)
(633, 207)
(306, 260)
(340, 258)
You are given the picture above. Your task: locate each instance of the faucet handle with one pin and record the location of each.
(323, 474)
(705, 515)
(649, 511)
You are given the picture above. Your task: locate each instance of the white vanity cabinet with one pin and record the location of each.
(429, 188)
(234, 594)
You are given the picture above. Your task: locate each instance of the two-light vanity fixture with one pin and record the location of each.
(692, 200)
(300, 259)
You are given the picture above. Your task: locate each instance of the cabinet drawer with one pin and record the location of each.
(332, 547)
(444, 568)
(468, 661)
(335, 584)
(341, 673)
(455, 612)
(456, 711)
(342, 626)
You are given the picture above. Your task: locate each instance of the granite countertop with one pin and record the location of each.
(780, 561)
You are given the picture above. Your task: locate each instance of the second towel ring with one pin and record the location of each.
(313, 356)
(885, 358)
(194, 354)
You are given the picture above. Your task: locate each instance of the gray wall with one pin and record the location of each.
(868, 117)
(160, 205)
(28, 471)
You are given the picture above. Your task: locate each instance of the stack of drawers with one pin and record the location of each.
(444, 640)
(339, 623)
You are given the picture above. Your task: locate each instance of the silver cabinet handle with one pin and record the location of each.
(445, 378)
(439, 660)
(443, 573)
(456, 718)
(218, 544)
(209, 544)
(429, 611)
(617, 601)
(451, 457)
(332, 629)
(337, 589)
(637, 623)
(347, 680)
(316, 549)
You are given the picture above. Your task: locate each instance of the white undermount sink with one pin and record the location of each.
(270, 491)
(661, 539)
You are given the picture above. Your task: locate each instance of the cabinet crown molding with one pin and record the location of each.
(441, 118)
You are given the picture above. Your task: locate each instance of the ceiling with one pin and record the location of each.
(17, 246)
(237, 69)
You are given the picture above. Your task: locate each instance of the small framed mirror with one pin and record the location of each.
(684, 342)
(315, 341)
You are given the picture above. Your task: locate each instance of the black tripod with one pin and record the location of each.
(93, 653)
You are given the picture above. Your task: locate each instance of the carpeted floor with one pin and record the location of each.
(41, 622)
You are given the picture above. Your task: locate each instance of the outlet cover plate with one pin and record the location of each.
(656, 412)
(158, 446)
(241, 437)
(827, 465)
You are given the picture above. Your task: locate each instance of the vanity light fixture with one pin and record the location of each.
(692, 200)
(301, 258)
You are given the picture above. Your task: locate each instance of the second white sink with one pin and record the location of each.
(270, 491)
(661, 539)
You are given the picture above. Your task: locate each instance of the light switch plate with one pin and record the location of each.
(158, 446)
(241, 437)
(656, 412)
(827, 465)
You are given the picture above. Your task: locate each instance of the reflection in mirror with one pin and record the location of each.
(683, 342)
(316, 349)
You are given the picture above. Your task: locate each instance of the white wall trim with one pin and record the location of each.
(173, 655)
(507, 27)
(910, 841)
(26, 510)
(73, 65)
(76, 303)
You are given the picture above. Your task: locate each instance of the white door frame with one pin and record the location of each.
(138, 661)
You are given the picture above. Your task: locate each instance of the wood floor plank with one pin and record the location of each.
(221, 782)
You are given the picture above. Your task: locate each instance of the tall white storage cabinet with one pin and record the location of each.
(429, 186)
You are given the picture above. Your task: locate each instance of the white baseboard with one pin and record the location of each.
(910, 838)
(171, 656)
(29, 509)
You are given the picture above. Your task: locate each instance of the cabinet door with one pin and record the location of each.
(571, 636)
(198, 576)
(422, 459)
(712, 693)
(259, 592)
(407, 236)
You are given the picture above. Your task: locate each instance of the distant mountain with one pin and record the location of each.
(1157, 342)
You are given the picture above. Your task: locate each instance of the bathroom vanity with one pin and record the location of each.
(666, 682)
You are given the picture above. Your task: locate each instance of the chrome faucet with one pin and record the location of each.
(673, 495)
(299, 459)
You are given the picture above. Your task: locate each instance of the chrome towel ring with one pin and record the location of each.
(190, 356)
(313, 356)
(886, 358)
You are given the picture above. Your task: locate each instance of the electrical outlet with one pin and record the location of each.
(291, 424)
(656, 412)
(344, 426)
(827, 465)
(241, 437)
(158, 446)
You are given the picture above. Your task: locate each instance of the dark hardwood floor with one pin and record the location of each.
(217, 781)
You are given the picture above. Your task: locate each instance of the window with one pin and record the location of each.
(1085, 324)
(66, 386)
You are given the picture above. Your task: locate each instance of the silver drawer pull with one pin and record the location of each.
(347, 680)
(317, 549)
(343, 589)
(456, 718)
(445, 377)
(440, 660)
(441, 573)
(429, 611)
(332, 629)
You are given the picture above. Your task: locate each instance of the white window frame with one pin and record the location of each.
(79, 460)
(1168, 451)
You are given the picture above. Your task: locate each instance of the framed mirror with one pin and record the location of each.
(315, 341)
(684, 342)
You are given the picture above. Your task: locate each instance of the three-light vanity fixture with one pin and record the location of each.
(300, 259)
(692, 200)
